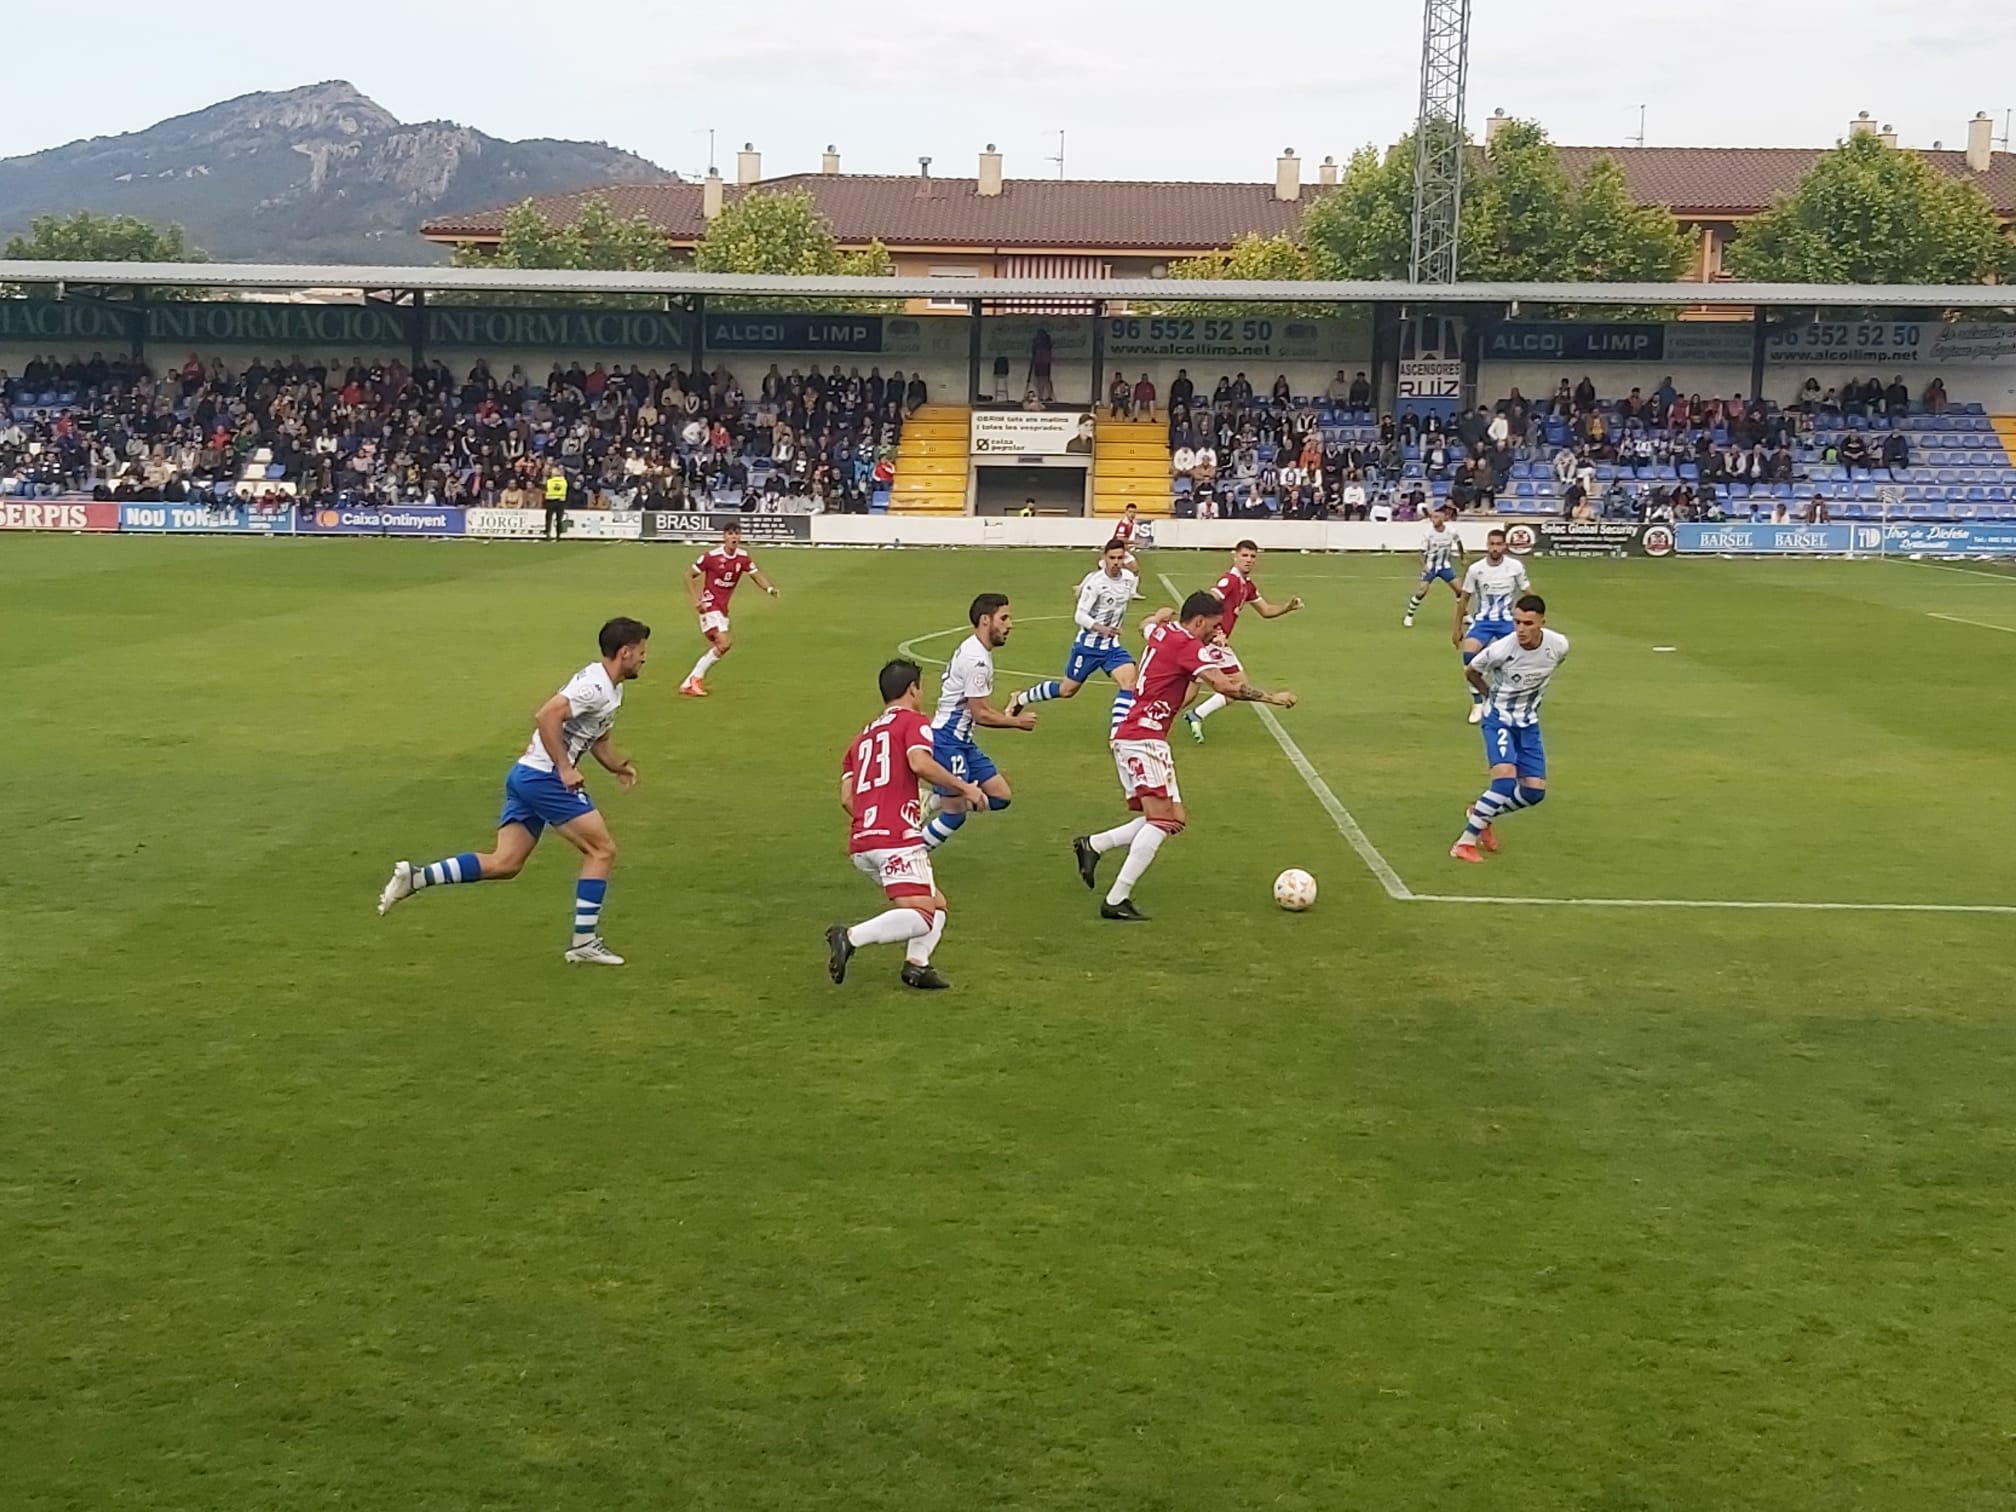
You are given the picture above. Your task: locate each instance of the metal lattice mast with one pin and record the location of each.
(1438, 141)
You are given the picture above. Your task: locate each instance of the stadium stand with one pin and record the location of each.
(933, 461)
(376, 432)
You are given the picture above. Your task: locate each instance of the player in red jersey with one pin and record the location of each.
(710, 583)
(1127, 531)
(1178, 655)
(878, 788)
(1236, 589)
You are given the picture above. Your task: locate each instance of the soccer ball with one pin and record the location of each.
(1295, 890)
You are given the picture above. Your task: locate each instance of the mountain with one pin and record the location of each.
(317, 174)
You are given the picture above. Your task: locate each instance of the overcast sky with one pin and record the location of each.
(1178, 90)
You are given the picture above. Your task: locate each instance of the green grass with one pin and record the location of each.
(1384, 1206)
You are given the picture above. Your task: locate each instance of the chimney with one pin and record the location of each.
(1980, 143)
(1863, 125)
(990, 172)
(1888, 135)
(830, 163)
(1287, 176)
(1326, 175)
(748, 165)
(710, 195)
(1497, 123)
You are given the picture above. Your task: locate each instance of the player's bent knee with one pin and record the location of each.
(1170, 827)
(1530, 795)
(998, 801)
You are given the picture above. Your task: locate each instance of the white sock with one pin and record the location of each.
(919, 953)
(889, 928)
(1117, 839)
(700, 667)
(1210, 706)
(1139, 854)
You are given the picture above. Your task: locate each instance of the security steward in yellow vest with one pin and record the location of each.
(556, 504)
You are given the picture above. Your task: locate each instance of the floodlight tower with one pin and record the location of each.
(1438, 141)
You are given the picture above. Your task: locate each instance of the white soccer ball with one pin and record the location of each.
(1295, 890)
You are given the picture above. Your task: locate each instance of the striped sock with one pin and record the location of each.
(1499, 798)
(1043, 692)
(588, 895)
(462, 868)
(1123, 705)
(1415, 603)
(1475, 696)
(942, 828)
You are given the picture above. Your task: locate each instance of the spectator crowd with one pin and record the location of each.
(379, 432)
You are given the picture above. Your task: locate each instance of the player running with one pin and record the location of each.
(1127, 531)
(1235, 590)
(1512, 674)
(1441, 550)
(1103, 597)
(546, 787)
(965, 699)
(710, 583)
(878, 788)
(1176, 657)
(1492, 583)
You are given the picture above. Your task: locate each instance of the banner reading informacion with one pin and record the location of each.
(404, 520)
(28, 514)
(1033, 433)
(707, 525)
(1589, 538)
(530, 524)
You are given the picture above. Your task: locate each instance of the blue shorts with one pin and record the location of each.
(1085, 660)
(962, 759)
(536, 799)
(1486, 631)
(1518, 746)
(1438, 575)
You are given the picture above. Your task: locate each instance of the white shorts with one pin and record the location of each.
(903, 871)
(712, 623)
(1228, 659)
(1146, 770)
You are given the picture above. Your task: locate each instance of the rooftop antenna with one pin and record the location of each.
(1639, 140)
(1059, 158)
(2004, 138)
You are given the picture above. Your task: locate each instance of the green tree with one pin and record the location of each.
(87, 237)
(1364, 227)
(1269, 258)
(769, 232)
(595, 240)
(1516, 209)
(1868, 213)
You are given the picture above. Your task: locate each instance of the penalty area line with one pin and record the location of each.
(1955, 619)
(1735, 903)
(1340, 816)
(909, 647)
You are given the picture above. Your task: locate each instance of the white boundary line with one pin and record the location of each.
(1955, 619)
(1340, 816)
(1400, 892)
(909, 647)
(1993, 577)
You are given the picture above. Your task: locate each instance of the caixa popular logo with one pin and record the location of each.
(1658, 540)
(1521, 540)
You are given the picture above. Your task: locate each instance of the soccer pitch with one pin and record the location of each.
(1399, 1203)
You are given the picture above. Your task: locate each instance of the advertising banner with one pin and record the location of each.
(1877, 344)
(27, 514)
(214, 518)
(1597, 341)
(1747, 539)
(706, 525)
(557, 330)
(1033, 433)
(1589, 538)
(333, 519)
(1430, 378)
(1016, 337)
(1922, 538)
(530, 524)
(794, 333)
(1259, 338)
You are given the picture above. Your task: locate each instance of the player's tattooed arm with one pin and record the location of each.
(1239, 690)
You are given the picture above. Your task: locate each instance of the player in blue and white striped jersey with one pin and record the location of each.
(1103, 597)
(1511, 676)
(966, 700)
(1441, 551)
(1491, 584)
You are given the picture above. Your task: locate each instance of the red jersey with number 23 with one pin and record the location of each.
(1235, 590)
(1173, 659)
(720, 571)
(886, 811)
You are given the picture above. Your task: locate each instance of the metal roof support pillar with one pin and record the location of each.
(696, 339)
(973, 392)
(416, 327)
(1759, 332)
(1098, 351)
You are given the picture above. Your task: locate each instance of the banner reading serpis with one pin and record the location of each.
(1589, 538)
(707, 524)
(1033, 433)
(28, 514)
